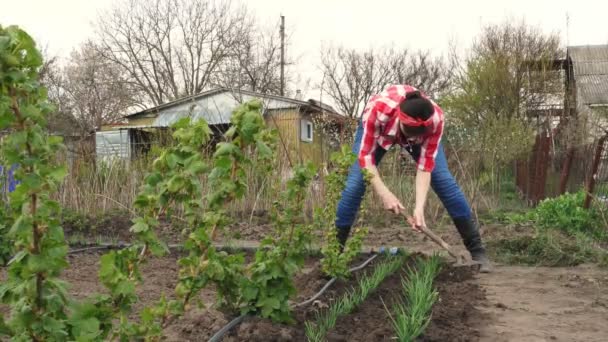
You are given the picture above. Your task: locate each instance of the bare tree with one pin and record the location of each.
(255, 63)
(171, 48)
(350, 77)
(89, 89)
(420, 69)
(60, 120)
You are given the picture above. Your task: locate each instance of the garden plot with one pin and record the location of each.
(368, 322)
(150, 292)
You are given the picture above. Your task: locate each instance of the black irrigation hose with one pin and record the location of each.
(318, 294)
(220, 334)
(102, 246)
(86, 249)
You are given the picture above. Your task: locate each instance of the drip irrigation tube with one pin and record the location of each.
(102, 246)
(86, 249)
(220, 334)
(333, 280)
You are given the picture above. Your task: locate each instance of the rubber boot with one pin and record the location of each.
(469, 233)
(342, 235)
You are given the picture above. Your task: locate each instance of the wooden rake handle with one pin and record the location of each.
(439, 241)
(435, 238)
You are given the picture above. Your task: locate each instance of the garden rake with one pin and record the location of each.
(459, 257)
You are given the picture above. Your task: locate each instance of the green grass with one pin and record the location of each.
(557, 232)
(316, 331)
(410, 318)
(548, 247)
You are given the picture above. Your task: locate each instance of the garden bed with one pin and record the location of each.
(452, 319)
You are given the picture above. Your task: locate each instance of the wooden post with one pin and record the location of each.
(593, 174)
(531, 170)
(542, 167)
(282, 55)
(563, 180)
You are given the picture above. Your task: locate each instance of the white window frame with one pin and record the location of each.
(304, 130)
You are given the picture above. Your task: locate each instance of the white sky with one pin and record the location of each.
(63, 24)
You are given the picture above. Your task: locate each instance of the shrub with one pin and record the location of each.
(567, 214)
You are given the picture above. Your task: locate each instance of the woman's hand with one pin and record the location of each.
(391, 202)
(417, 220)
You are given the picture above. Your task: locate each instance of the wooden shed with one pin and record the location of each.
(308, 130)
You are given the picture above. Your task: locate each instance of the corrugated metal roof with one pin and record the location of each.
(215, 109)
(590, 66)
(592, 89)
(216, 106)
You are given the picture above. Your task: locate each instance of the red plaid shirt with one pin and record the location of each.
(381, 128)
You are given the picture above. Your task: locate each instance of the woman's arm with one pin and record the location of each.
(389, 200)
(423, 183)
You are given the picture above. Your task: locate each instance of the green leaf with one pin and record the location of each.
(181, 123)
(59, 173)
(4, 329)
(197, 167)
(268, 305)
(55, 140)
(139, 226)
(263, 149)
(176, 183)
(86, 329)
(226, 149)
(39, 263)
(159, 248)
(125, 288)
(249, 292)
(231, 132)
(172, 160)
(250, 125)
(23, 225)
(107, 270)
(5, 119)
(224, 163)
(154, 178)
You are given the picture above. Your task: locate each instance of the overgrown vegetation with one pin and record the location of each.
(336, 261)
(411, 317)
(316, 331)
(6, 245)
(40, 308)
(566, 213)
(559, 232)
(262, 287)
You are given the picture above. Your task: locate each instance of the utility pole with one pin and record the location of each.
(282, 55)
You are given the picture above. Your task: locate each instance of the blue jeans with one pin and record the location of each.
(442, 183)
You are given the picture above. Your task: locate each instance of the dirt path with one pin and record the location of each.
(545, 304)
